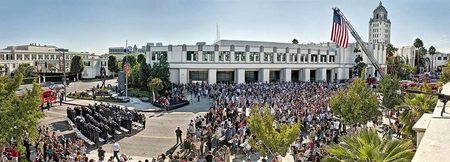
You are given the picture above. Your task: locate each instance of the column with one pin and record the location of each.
(342, 74)
(216, 56)
(183, 56)
(200, 56)
(264, 75)
(247, 56)
(212, 76)
(240, 76)
(304, 75)
(286, 75)
(321, 74)
(232, 57)
(183, 76)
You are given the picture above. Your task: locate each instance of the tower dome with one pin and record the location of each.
(380, 12)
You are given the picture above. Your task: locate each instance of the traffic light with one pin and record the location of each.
(35, 63)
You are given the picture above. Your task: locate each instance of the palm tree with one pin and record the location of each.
(368, 146)
(418, 43)
(414, 106)
(154, 84)
(294, 41)
(432, 51)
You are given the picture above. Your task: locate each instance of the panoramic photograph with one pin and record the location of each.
(224, 81)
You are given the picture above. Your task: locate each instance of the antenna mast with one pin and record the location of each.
(217, 33)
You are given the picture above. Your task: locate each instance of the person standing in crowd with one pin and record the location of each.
(101, 153)
(178, 132)
(116, 149)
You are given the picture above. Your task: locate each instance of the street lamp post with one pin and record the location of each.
(64, 69)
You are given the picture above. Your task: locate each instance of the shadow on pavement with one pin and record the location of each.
(60, 126)
(172, 149)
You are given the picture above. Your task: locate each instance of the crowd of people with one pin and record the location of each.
(103, 121)
(224, 129)
(218, 134)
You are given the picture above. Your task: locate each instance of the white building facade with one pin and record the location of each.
(434, 63)
(380, 26)
(236, 61)
(45, 58)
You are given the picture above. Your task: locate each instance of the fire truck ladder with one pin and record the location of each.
(360, 42)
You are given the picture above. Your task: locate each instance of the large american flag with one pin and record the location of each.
(339, 32)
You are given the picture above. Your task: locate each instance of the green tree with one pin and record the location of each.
(445, 73)
(28, 70)
(390, 50)
(357, 105)
(18, 113)
(294, 41)
(131, 61)
(76, 65)
(414, 106)
(432, 52)
(134, 76)
(267, 138)
(360, 66)
(144, 75)
(422, 59)
(418, 43)
(367, 146)
(155, 84)
(112, 64)
(161, 70)
(389, 86)
(141, 59)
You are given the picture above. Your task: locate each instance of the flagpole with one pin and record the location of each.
(126, 73)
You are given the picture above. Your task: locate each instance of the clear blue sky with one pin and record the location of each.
(95, 25)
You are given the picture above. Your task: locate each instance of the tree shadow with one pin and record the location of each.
(60, 126)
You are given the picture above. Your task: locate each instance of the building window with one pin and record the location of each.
(192, 55)
(208, 55)
(332, 59)
(40, 57)
(323, 58)
(268, 56)
(18, 56)
(239, 56)
(33, 57)
(254, 56)
(52, 57)
(156, 55)
(87, 63)
(445, 58)
(46, 57)
(439, 58)
(313, 58)
(2, 57)
(224, 55)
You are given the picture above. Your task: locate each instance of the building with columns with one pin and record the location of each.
(46, 59)
(380, 26)
(237, 61)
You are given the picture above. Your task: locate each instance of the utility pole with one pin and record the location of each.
(128, 68)
(64, 69)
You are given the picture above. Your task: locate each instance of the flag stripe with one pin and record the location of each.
(339, 32)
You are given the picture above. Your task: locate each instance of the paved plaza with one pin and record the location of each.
(158, 136)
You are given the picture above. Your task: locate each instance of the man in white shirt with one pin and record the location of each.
(116, 149)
